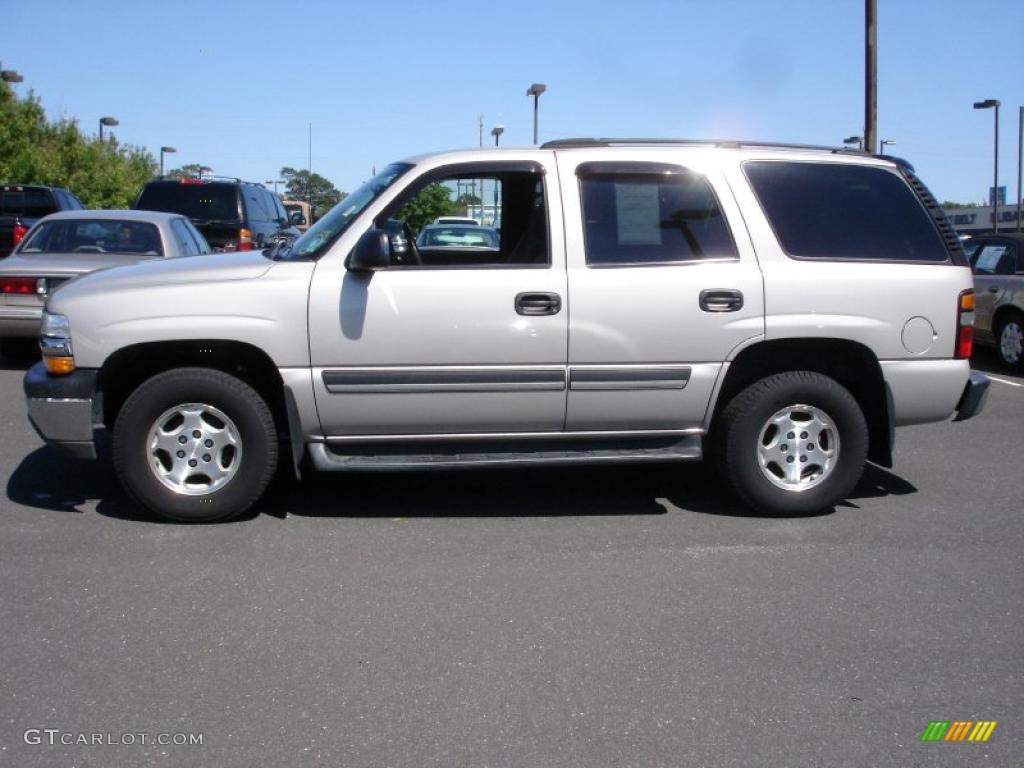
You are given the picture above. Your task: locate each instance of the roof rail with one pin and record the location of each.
(723, 143)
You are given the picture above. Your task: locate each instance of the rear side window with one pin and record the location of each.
(199, 201)
(26, 201)
(186, 243)
(840, 211)
(639, 213)
(995, 259)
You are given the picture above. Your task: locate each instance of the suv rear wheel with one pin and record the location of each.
(195, 445)
(793, 443)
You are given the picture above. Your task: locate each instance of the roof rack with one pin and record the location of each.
(723, 143)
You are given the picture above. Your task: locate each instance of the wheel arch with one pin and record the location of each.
(125, 369)
(850, 363)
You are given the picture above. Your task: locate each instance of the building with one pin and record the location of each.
(968, 221)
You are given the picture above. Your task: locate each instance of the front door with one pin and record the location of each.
(466, 332)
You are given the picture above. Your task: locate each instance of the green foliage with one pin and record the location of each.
(429, 203)
(190, 171)
(464, 201)
(949, 205)
(34, 150)
(311, 187)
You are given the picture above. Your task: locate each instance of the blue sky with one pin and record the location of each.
(234, 85)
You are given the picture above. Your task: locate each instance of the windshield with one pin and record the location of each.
(193, 198)
(320, 236)
(93, 236)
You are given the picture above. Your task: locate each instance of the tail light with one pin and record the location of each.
(244, 239)
(20, 230)
(22, 286)
(965, 325)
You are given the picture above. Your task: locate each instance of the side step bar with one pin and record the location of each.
(463, 455)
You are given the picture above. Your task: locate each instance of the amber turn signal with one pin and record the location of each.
(59, 366)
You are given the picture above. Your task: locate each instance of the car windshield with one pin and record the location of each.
(199, 200)
(320, 236)
(93, 236)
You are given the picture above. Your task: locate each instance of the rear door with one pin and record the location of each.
(663, 283)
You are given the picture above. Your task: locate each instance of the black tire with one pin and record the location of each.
(740, 426)
(234, 398)
(1012, 320)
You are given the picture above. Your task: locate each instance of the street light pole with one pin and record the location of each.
(168, 150)
(275, 182)
(870, 76)
(496, 132)
(989, 104)
(11, 76)
(535, 90)
(1020, 161)
(111, 121)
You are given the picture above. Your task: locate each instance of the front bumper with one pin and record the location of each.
(975, 395)
(63, 409)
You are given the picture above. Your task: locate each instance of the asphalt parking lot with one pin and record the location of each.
(620, 617)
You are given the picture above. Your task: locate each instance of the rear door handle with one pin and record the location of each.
(721, 300)
(538, 303)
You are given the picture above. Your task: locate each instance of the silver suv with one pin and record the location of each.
(780, 308)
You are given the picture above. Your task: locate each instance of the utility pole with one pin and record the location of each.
(870, 77)
(1020, 161)
(309, 182)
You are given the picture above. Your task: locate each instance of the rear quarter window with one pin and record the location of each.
(842, 211)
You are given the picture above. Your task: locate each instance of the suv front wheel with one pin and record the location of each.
(195, 445)
(793, 443)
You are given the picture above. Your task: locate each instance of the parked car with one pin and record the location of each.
(469, 222)
(233, 215)
(68, 244)
(439, 243)
(998, 263)
(300, 214)
(22, 205)
(648, 301)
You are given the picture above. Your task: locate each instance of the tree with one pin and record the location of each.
(466, 201)
(429, 203)
(190, 171)
(104, 174)
(311, 187)
(949, 205)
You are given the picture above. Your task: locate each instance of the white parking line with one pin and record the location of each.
(1005, 381)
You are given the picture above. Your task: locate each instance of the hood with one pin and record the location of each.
(211, 268)
(69, 264)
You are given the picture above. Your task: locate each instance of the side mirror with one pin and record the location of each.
(372, 252)
(297, 218)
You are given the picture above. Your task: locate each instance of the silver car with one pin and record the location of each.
(64, 245)
(998, 264)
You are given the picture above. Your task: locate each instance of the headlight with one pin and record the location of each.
(55, 344)
(56, 326)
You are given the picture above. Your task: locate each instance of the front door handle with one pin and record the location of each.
(721, 300)
(538, 303)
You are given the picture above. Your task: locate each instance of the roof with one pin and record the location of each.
(153, 217)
